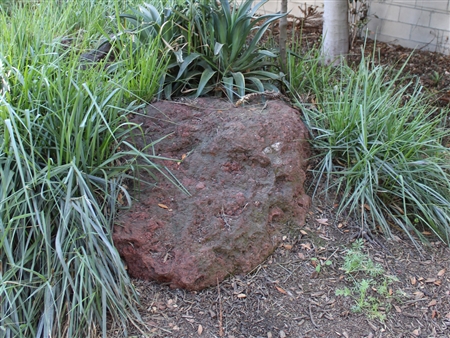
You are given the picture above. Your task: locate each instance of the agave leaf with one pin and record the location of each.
(150, 12)
(226, 10)
(129, 17)
(240, 83)
(168, 91)
(145, 15)
(206, 76)
(242, 30)
(167, 12)
(228, 84)
(263, 74)
(270, 87)
(244, 8)
(257, 82)
(261, 30)
(267, 53)
(193, 74)
(254, 62)
(221, 27)
(257, 6)
(238, 35)
(187, 61)
(217, 48)
(179, 55)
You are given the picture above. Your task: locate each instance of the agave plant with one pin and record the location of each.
(215, 46)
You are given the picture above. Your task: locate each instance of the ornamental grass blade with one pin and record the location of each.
(388, 156)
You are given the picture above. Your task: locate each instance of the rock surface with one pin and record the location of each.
(244, 168)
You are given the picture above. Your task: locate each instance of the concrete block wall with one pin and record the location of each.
(421, 24)
(273, 6)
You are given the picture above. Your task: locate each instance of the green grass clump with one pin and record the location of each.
(64, 153)
(380, 144)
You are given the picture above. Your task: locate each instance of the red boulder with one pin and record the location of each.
(244, 168)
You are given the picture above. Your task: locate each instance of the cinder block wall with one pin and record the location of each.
(273, 6)
(423, 24)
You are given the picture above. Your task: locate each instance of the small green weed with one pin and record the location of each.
(320, 264)
(436, 77)
(371, 287)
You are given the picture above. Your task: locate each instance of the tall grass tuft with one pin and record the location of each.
(64, 154)
(380, 144)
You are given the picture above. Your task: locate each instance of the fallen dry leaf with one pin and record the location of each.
(397, 308)
(426, 233)
(437, 282)
(301, 256)
(430, 280)
(416, 332)
(163, 206)
(242, 295)
(317, 294)
(287, 246)
(200, 330)
(432, 303)
(434, 314)
(281, 290)
(303, 232)
(395, 238)
(182, 158)
(306, 246)
(418, 294)
(323, 221)
(413, 280)
(441, 272)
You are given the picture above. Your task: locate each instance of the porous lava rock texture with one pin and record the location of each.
(244, 168)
